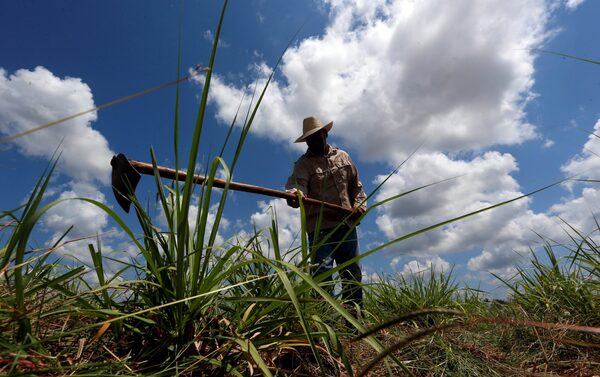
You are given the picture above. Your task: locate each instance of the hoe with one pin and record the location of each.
(126, 175)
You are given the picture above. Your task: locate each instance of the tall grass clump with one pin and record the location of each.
(42, 306)
(558, 289)
(210, 307)
(418, 290)
(549, 324)
(411, 312)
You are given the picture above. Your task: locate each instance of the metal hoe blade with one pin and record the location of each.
(124, 180)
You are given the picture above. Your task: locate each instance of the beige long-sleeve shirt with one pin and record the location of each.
(332, 178)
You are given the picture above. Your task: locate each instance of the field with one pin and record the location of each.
(191, 306)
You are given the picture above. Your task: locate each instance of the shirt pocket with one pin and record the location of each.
(341, 170)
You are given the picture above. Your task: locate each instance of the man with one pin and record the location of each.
(328, 174)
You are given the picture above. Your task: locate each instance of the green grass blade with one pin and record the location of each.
(568, 56)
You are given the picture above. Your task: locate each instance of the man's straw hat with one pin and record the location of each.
(311, 125)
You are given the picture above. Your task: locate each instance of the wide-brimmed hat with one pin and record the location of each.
(311, 125)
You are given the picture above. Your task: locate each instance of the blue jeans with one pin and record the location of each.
(341, 250)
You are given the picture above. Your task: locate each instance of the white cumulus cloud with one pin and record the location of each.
(89, 223)
(425, 267)
(454, 76)
(572, 4)
(193, 217)
(586, 164)
(478, 183)
(87, 219)
(391, 74)
(288, 225)
(29, 99)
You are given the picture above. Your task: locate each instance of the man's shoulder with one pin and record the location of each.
(340, 152)
(303, 161)
(307, 161)
(304, 157)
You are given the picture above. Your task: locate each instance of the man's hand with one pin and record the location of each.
(294, 202)
(357, 212)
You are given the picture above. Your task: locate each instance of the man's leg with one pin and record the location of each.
(322, 256)
(350, 275)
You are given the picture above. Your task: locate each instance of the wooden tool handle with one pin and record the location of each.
(146, 168)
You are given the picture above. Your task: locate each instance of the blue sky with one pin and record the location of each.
(462, 78)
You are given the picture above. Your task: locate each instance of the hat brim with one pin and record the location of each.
(327, 128)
